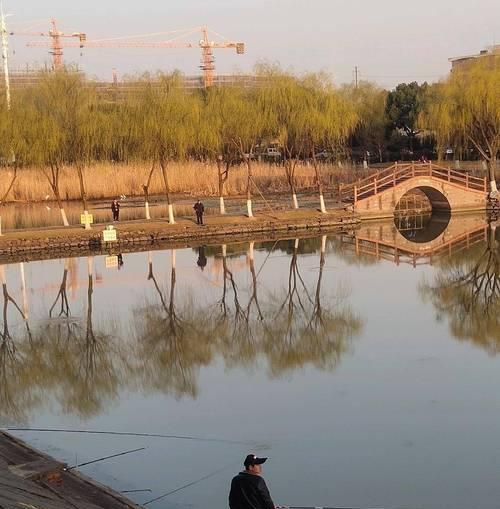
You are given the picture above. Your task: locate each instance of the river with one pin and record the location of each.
(366, 366)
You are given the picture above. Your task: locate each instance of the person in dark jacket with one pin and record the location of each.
(248, 488)
(115, 208)
(199, 209)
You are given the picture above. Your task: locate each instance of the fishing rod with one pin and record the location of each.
(132, 434)
(104, 458)
(192, 483)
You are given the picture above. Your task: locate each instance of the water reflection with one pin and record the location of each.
(241, 308)
(422, 228)
(466, 290)
(163, 340)
(465, 253)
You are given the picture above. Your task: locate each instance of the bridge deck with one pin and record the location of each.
(399, 173)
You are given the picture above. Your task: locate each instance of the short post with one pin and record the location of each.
(356, 193)
(1, 226)
(467, 180)
(449, 174)
(430, 169)
(375, 184)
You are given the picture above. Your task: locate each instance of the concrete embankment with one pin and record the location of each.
(32, 479)
(158, 234)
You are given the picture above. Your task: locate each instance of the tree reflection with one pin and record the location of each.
(62, 295)
(16, 378)
(80, 364)
(467, 290)
(307, 330)
(171, 345)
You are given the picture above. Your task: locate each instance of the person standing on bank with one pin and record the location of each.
(248, 488)
(199, 209)
(115, 208)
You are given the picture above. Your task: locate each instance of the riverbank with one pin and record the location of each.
(32, 479)
(46, 243)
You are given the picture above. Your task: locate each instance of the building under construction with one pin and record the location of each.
(490, 54)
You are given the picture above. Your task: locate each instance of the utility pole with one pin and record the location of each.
(5, 54)
(356, 76)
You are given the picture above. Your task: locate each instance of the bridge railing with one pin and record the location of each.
(397, 173)
(392, 251)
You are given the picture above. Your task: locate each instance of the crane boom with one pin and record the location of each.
(205, 44)
(55, 43)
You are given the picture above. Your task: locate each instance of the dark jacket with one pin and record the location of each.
(199, 208)
(249, 491)
(115, 207)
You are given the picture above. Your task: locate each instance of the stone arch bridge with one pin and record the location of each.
(378, 195)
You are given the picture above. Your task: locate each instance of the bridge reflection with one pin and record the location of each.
(417, 240)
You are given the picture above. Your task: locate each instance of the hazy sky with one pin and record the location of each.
(390, 41)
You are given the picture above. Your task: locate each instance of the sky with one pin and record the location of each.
(390, 41)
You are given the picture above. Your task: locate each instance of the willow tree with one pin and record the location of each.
(7, 141)
(243, 128)
(76, 115)
(284, 101)
(167, 117)
(215, 134)
(330, 121)
(369, 101)
(38, 131)
(465, 111)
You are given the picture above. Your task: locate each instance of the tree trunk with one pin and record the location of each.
(171, 219)
(14, 177)
(54, 185)
(146, 192)
(249, 183)
(491, 163)
(221, 180)
(289, 169)
(55, 190)
(83, 193)
(320, 186)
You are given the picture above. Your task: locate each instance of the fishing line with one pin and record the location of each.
(321, 507)
(132, 434)
(105, 458)
(192, 483)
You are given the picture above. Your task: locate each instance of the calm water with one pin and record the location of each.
(365, 366)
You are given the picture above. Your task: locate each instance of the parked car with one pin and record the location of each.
(324, 154)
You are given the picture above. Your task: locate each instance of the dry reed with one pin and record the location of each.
(105, 181)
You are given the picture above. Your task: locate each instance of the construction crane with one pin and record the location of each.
(55, 43)
(205, 44)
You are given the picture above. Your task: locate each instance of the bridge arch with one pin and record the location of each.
(436, 198)
(446, 189)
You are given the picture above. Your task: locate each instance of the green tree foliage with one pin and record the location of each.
(369, 100)
(403, 107)
(464, 111)
(330, 122)
(165, 120)
(220, 132)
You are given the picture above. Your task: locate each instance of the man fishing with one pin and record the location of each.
(248, 488)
